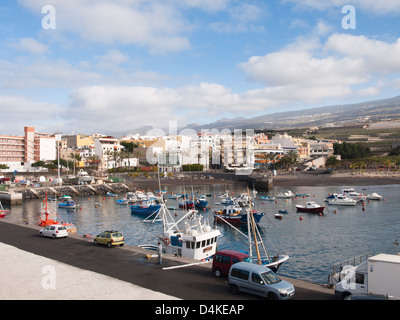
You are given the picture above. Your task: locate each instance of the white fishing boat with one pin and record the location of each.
(192, 236)
(341, 200)
(353, 194)
(310, 206)
(84, 176)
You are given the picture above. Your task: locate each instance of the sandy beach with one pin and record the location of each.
(336, 179)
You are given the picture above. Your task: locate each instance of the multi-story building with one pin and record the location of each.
(19, 152)
(106, 149)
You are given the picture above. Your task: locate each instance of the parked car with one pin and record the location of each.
(110, 238)
(223, 259)
(54, 231)
(259, 280)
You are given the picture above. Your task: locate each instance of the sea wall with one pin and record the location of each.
(54, 191)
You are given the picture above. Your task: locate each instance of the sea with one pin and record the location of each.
(313, 242)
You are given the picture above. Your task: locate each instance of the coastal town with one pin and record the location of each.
(199, 157)
(37, 152)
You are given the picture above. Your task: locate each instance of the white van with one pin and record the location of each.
(259, 280)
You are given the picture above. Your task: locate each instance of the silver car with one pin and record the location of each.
(54, 231)
(259, 280)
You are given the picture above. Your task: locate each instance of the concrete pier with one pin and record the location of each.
(10, 197)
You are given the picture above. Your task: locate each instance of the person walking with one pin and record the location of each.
(159, 252)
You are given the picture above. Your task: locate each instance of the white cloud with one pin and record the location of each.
(30, 45)
(153, 24)
(311, 71)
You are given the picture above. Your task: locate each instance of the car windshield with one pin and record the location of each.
(270, 277)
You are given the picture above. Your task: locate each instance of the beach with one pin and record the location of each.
(295, 179)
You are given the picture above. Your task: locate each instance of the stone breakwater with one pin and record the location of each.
(74, 190)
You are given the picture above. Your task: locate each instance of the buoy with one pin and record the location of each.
(301, 218)
(363, 208)
(334, 211)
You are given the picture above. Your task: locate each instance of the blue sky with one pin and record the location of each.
(121, 64)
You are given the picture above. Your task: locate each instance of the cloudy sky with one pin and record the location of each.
(89, 66)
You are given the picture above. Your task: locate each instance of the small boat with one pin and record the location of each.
(311, 206)
(84, 176)
(351, 193)
(145, 207)
(330, 197)
(201, 202)
(283, 211)
(278, 216)
(302, 194)
(67, 204)
(122, 201)
(286, 195)
(374, 196)
(112, 194)
(3, 212)
(267, 198)
(186, 204)
(48, 216)
(234, 214)
(342, 200)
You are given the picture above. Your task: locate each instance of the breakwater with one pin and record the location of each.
(55, 191)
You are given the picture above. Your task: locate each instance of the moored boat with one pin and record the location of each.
(48, 216)
(374, 196)
(310, 206)
(145, 207)
(286, 195)
(235, 214)
(342, 200)
(3, 212)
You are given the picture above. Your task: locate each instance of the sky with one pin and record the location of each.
(95, 66)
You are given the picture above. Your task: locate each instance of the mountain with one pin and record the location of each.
(335, 115)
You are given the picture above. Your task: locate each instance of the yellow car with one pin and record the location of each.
(110, 238)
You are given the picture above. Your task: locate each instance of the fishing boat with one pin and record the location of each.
(84, 176)
(255, 241)
(186, 204)
(145, 207)
(3, 212)
(201, 202)
(342, 200)
(353, 194)
(192, 236)
(67, 204)
(310, 206)
(48, 216)
(236, 214)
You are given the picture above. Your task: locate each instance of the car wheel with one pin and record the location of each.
(234, 289)
(217, 273)
(109, 244)
(41, 234)
(121, 244)
(53, 236)
(95, 241)
(272, 296)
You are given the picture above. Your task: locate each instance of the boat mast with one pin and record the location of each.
(254, 229)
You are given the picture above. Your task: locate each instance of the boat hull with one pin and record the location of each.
(144, 211)
(310, 210)
(239, 218)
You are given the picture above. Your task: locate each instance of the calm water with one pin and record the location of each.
(314, 244)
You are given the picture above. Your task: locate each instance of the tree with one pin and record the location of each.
(332, 162)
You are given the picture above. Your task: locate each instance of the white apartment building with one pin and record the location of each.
(105, 148)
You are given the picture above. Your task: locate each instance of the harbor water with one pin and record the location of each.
(314, 243)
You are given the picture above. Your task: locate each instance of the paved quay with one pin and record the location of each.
(83, 271)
